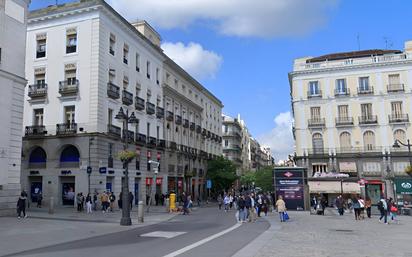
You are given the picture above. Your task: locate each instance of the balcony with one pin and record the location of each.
(129, 135)
(40, 54)
(37, 91)
(113, 130)
(368, 120)
(151, 142)
(198, 129)
(36, 130)
(315, 94)
(365, 90)
(139, 103)
(160, 112)
(169, 115)
(209, 134)
(344, 121)
(204, 132)
(141, 139)
(127, 98)
(185, 123)
(398, 118)
(150, 108)
(178, 120)
(318, 122)
(192, 126)
(342, 93)
(161, 143)
(172, 145)
(66, 128)
(393, 88)
(113, 91)
(69, 87)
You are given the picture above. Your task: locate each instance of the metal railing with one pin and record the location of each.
(318, 122)
(141, 138)
(160, 112)
(365, 90)
(139, 103)
(169, 116)
(391, 88)
(127, 98)
(398, 118)
(113, 130)
(35, 130)
(68, 87)
(315, 94)
(37, 90)
(66, 128)
(178, 119)
(345, 92)
(113, 91)
(344, 121)
(370, 119)
(150, 108)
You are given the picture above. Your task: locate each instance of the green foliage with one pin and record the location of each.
(126, 156)
(222, 172)
(408, 170)
(264, 179)
(248, 178)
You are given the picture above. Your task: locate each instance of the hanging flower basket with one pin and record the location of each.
(408, 170)
(126, 156)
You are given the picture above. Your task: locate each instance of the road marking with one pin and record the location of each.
(165, 234)
(203, 241)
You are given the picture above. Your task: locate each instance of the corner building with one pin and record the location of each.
(348, 110)
(84, 62)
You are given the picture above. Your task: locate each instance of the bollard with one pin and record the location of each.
(167, 205)
(140, 212)
(51, 205)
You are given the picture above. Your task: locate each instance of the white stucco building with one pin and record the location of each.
(13, 14)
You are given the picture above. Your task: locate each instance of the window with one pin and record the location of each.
(400, 135)
(369, 140)
(137, 127)
(112, 44)
(314, 88)
(318, 168)
(364, 84)
(176, 83)
(341, 86)
(366, 110)
(70, 76)
(396, 109)
(394, 79)
(138, 89)
(41, 45)
(40, 79)
(157, 132)
(110, 156)
(343, 112)
(112, 75)
(315, 113)
(226, 143)
(125, 54)
(110, 116)
(317, 143)
(157, 76)
(71, 40)
(69, 114)
(125, 82)
(38, 117)
(148, 130)
(148, 69)
(345, 141)
(137, 62)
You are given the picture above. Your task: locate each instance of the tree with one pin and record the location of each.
(264, 178)
(222, 172)
(248, 178)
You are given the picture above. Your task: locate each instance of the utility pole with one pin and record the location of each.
(155, 171)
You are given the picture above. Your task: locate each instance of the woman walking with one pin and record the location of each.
(357, 208)
(89, 203)
(394, 211)
(368, 206)
(281, 208)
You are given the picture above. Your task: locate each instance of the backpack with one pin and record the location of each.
(380, 205)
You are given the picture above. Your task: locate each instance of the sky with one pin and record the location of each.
(243, 50)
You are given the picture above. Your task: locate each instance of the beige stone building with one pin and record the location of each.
(348, 110)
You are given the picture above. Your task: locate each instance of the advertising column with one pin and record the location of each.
(289, 182)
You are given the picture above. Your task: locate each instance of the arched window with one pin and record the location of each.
(369, 140)
(38, 157)
(345, 142)
(400, 135)
(69, 157)
(317, 143)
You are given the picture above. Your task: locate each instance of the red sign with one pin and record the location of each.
(159, 154)
(149, 181)
(149, 154)
(362, 182)
(180, 183)
(159, 181)
(288, 174)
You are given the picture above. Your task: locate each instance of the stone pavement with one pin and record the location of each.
(331, 235)
(41, 229)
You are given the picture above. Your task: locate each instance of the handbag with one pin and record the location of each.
(394, 209)
(285, 216)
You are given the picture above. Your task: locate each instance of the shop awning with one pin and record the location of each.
(403, 186)
(333, 187)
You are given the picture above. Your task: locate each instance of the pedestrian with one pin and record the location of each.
(242, 209)
(120, 201)
(259, 204)
(356, 208)
(157, 199)
(368, 206)
(230, 201)
(186, 201)
(95, 200)
(219, 201)
(394, 211)
(226, 202)
(82, 199)
(89, 203)
(104, 198)
(21, 205)
(79, 202)
(281, 208)
(131, 198)
(162, 199)
(265, 205)
(112, 199)
(198, 201)
(314, 202)
(339, 205)
(39, 199)
(248, 205)
(252, 210)
(362, 208)
(383, 208)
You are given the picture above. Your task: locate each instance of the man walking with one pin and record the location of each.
(383, 208)
(339, 204)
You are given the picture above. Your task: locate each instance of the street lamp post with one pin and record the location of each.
(408, 144)
(155, 171)
(126, 119)
(89, 166)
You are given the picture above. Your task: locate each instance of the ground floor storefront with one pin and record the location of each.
(329, 189)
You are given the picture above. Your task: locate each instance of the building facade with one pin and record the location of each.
(13, 22)
(348, 110)
(84, 62)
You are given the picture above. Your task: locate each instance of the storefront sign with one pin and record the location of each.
(159, 181)
(66, 172)
(34, 172)
(149, 181)
(102, 170)
(347, 167)
(159, 155)
(289, 183)
(179, 183)
(403, 186)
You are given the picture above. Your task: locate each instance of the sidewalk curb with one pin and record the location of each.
(259, 242)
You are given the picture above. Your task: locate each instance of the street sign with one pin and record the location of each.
(89, 170)
(209, 184)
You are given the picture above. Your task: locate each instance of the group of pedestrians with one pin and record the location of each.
(385, 207)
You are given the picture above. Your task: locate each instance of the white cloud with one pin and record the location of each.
(198, 62)
(280, 138)
(260, 18)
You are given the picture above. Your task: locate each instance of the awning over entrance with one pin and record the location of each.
(333, 187)
(403, 186)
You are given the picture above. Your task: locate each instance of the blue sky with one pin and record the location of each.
(248, 50)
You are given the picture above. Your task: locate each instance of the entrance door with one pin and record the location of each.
(68, 191)
(36, 189)
(374, 191)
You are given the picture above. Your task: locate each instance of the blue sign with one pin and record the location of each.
(209, 184)
(102, 170)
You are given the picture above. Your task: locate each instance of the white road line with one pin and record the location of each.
(165, 234)
(203, 241)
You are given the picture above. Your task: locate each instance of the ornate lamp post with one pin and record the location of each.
(408, 144)
(126, 119)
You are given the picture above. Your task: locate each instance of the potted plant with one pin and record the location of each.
(408, 170)
(126, 156)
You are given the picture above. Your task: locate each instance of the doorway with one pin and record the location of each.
(68, 190)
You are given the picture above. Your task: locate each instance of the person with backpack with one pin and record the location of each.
(383, 208)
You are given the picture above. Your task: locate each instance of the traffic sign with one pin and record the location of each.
(209, 184)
